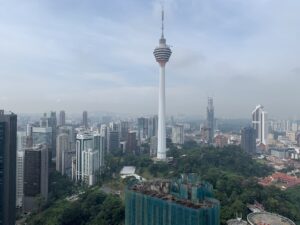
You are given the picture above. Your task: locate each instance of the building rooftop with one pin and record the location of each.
(265, 218)
(162, 189)
(127, 170)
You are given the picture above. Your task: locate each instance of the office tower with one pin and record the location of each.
(62, 118)
(50, 122)
(8, 149)
(178, 134)
(115, 126)
(99, 146)
(260, 124)
(36, 175)
(153, 146)
(162, 55)
(186, 201)
(43, 135)
(248, 140)
(104, 133)
(85, 122)
(113, 141)
(70, 131)
(152, 126)
(29, 141)
(142, 129)
(84, 141)
(53, 124)
(131, 143)
(62, 148)
(90, 166)
(124, 127)
(44, 120)
(210, 113)
(20, 179)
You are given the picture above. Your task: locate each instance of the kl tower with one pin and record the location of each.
(162, 55)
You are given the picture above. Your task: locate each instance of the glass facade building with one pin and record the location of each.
(8, 149)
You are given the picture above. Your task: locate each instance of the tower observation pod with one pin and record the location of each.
(162, 55)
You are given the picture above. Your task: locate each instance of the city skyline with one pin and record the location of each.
(241, 53)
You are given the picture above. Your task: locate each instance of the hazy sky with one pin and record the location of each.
(98, 55)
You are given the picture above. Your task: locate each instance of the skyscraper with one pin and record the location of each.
(85, 119)
(248, 140)
(131, 143)
(178, 134)
(113, 141)
(36, 175)
(62, 147)
(90, 165)
(62, 118)
(162, 55)
(260, 124)
(142, 128)
(210, 113)
(84, 141)
(8, 149)
(19, 179)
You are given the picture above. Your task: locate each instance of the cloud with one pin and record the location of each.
(93, 55)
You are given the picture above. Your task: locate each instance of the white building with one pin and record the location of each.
(20, 179)
(178, 134)
(90, 153)
(84, 141)
(90, 166)
(260, 124)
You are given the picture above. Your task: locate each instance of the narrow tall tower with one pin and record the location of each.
(210, 119)
(162, 54)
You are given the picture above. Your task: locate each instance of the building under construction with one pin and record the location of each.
(186, 201)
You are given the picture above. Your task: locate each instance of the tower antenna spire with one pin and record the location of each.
(162, 19)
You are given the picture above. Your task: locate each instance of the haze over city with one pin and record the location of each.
(97, 55)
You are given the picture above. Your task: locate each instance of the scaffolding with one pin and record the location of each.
(163, 202)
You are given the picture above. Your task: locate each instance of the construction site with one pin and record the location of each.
(185, 201)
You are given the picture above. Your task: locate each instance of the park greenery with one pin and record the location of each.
(93, 207)
(232, 172)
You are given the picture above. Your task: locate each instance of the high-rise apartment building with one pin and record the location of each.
(152, 126)
(113, 141)
(178, 134)
(8, 149)
(99, 146)
(131, 143)
(36, 175)
(210, 117)
(142, 128)
(20, 179)
(90, 155)
(90, 166)
(84, 141)
(62, 118)
(185, 201)
(124, 128)
(62, 149)
(248, 140)
(260, 124)
(85, 122)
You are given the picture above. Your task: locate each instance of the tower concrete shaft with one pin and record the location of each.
(161, 148)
